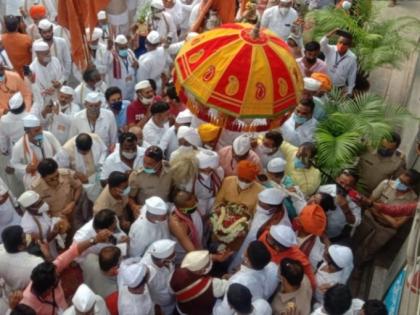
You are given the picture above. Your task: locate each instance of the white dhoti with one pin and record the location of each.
(119, 22)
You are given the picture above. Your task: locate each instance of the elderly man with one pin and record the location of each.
(300, 127)
(10, 84)
(157, 125)
(122, 67)
(133, 292)
(188, 142)
(95, 119)
(280, 19)
(32, 148)
(161, 22)
(240, 150)
(129, 157)
(241, 189)
(58, 46)
(269, 205)
(97, 49)
(160, 260)
(341, 61)
(150, 226)
(282, 243)
(85, 300)
(138, 112)
(58, 188)
(92, 82)
(48, 74)
(152, 64)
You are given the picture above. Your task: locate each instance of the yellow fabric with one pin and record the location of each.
(230, 192)
(208, 132)
(308, 180)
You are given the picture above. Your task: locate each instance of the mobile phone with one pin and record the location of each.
(26, 70)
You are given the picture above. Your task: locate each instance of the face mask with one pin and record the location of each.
(94, 111)
(116, 105)
(1, 78)
(126, 191)
(266, 150)
(287, 182)
(385, 152)
(189, 210)
(149, 170)
(146, 100)
(208, 147)
(47, 59)
(93, 47)
(129, 155)
(44, 208)
(244, 185)
(400, 186)
(284, 11)
(298, 163)
(123, 53)
(39, 137)
(300, 120)
(342, 49)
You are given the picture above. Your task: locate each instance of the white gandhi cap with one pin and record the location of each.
(121, 39)
(184, 117)
(207, 159)
(40, 46)
(271, 196)
(93, 97)
(284, 235)
(44, 25)
(153, 37)
(241, 145)
(276, 165)
(28, 198)
(84, 299)
(142, 85)
(196, 260)
(31, 121)
(156, 205)
(311, 84)
(101, 15)
(162, 249)
(133, 274)
(16, 101)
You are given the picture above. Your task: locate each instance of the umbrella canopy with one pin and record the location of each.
(239, 71)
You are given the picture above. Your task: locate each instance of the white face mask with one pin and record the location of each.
(243, 185)
(284, 11)
(208, 147)
(129, 155)
(44, 208)
(146, 101)
(266, 150)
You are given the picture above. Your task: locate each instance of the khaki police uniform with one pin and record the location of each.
(106, 201)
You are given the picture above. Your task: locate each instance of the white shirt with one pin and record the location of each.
(87, 232)
(21, 158)
(113, 163)
(303, 133)
(336, 218)
(165, 26)
(11, 130)
(152, 133)
(60, 49)
(152, 65)
(169, 141)
(4, 57)
(105, 126)
(261, 307)
(8, 214)
(341, 69)
(139, 304)
(205, 195)
(276, 22)
(143, 233)
(356, 306)
(99, 308)
(16, 268)
(317, 251)
(82, 90)
(180, 14)
(264, 157)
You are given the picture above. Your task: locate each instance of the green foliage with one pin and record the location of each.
(376, 43)
(353, 124)
(143, 12)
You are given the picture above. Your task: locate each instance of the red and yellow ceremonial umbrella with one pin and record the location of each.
(242, 73)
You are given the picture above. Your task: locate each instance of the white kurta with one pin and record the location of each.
(8, 214)
(45, 75)
(301, 134)
(152, 65)
(260, 217)
(323, 278)
(61, 50)
(143, 233)
(99, 308)
(11, 130)
(165, 26)
(128, 73)
(169, 142)
(82, 90)
(139, 304)
(277, 23)
(152, 133)
(317, 251)
(261, 307)
(158, 285)
(99, 59)
(113, 163)
(204, 194)
(105, 126)
(21, 158)
(356, 306)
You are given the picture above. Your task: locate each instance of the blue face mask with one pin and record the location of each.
(39, 137)
(1, 78)
(116, 105)
(126, 191)
(149, 170)
(123, 53)
(300, 120)
(298, 163)
(400, 186)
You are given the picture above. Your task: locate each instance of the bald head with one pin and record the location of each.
(183, 199)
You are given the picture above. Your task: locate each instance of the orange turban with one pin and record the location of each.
(326, 84)
(208, 132)
(247, 170)
(313, 219)
(37, 11)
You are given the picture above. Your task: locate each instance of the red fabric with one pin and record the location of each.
(193, 291)
(191, 227)
(175, 108)
(397, 210)
(136, 112)
(112, 303)
(294, 253)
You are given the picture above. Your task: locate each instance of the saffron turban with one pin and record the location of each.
(326, 83)
(313, 219)
(37, 11)
(208, 132)
(247, 170)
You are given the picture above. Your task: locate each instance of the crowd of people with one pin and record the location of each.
(112, 192)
